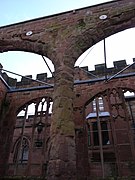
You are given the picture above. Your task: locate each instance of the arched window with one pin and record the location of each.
(100, 104)
(21, 151)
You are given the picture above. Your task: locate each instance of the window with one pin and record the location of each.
(100, 104)
(93, 133)
(24, 151)
(21, 151)
(94, 105)
(105, 134)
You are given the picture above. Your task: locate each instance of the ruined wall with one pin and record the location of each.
(70, 32)
(83, 93)
(3, 124)
(63, 38)
(80, 73)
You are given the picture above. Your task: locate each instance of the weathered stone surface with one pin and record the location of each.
(62, 38)
(62, 158)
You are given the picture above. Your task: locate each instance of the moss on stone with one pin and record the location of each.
(81, 23)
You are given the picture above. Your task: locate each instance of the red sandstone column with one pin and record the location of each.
(5, 130)
(82, 160)
(62, 156)
(6, 135)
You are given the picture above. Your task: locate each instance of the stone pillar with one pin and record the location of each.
(62, 156)
(4, 129)
(82, 160)
(7, 122)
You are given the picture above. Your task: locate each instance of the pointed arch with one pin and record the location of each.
(21, 150)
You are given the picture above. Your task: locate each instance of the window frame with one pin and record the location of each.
(91, 132)
(20, 152)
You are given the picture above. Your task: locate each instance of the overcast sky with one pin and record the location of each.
(118, 47)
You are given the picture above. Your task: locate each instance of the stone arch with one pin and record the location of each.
(25, 98)
(33, 100)
(116, 120)
(120, 17)
(98, 91)
(72, 38)
(17, 141)
(103, 93)
(14, 38)
(115, 23)
(37, 137)
(20, 152)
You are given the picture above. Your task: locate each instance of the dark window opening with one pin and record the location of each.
(95, 134)
(22, 151)
(39, 143)
(104, 133)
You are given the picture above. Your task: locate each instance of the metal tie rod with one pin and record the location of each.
(120, 72)
(47, 65)
(89, 72)
(1, 69)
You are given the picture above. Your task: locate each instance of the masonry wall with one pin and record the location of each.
(3, 110)
(35, 164)
(63, 38)
(3, 90)
(87, 165)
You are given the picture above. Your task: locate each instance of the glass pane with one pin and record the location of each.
(25, 154)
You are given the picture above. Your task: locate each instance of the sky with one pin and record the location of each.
(118, 47)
